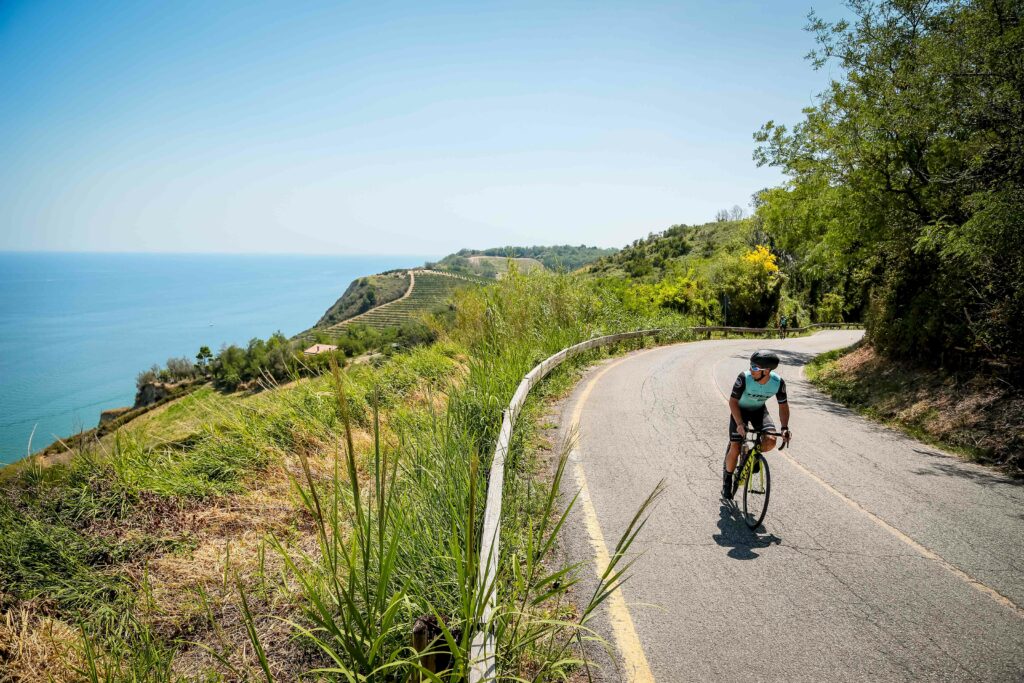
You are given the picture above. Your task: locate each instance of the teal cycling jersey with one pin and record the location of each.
(751, 394)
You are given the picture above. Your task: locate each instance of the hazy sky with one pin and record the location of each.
(383, 127)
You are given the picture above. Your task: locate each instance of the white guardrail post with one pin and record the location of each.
(483, 656)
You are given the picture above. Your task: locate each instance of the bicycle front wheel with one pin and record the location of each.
(756, 490)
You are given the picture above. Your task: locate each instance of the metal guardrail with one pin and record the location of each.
(767, 331)
(483, 655)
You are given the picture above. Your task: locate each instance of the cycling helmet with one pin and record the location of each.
(764, 359)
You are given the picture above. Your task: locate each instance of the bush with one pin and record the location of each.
(147, 377)
(181, 368)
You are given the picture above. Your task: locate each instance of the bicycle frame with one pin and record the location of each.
(753, 475)
(749, 451)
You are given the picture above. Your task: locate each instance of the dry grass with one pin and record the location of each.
(190, 592)
(978, 414)
(188, 584)
(35, 648)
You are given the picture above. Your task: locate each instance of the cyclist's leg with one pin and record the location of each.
(764, 421)
(735, 440)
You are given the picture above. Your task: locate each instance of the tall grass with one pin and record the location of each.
(396, 517)
(403, 544)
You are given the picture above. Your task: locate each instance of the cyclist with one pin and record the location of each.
(752, 389)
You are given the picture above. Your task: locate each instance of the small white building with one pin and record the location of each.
(319, 348)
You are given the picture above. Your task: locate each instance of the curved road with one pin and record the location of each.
(880, 558)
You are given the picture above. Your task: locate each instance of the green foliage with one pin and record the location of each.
(557, 258)
(692, 269)
(204, 357)
(684, 294)
(270, 360)
(831, 308)
(649, 257)
(906, 178)
(52, 562)
(752, 286)
(356, 339)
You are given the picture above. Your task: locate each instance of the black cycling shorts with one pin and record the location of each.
(758, 418)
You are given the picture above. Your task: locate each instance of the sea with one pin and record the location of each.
(76, 328)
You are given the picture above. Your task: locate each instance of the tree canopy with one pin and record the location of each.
(905, 193)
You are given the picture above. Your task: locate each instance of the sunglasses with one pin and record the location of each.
(755, 368)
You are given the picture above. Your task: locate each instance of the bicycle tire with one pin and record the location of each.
(757, 491)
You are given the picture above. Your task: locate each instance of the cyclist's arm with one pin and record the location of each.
(734, 403)
(737, 416)
(783, 398)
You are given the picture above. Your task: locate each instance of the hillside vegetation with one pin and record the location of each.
(431, 293)
(557, 258)
(365, 293)
(722, 272)
(225, 537)
(495, 266)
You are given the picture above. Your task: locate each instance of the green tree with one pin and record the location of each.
(204, 357)
(905, 179)
(831, 308)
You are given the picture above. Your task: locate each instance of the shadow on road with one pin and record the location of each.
(734, 534)
(944, 465)
(795, 358)
(788, 357)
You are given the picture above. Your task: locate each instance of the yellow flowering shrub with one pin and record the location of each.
(762, 259)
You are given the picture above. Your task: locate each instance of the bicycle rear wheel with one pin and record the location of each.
(757, 489)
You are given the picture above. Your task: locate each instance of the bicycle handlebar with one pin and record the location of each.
(766, 432)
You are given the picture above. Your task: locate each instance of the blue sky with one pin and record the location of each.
(384, 127)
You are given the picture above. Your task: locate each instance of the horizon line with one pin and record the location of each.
(204, 253)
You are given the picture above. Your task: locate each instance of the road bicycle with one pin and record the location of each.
(754, 477)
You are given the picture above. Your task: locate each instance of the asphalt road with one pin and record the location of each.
(880, 558)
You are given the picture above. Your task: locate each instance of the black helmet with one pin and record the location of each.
(765, 359)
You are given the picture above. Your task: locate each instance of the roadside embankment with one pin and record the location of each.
(979, 416)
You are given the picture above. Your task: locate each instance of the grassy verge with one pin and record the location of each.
(304, 531)
(977, 416)
(134, 555)
(82, 439)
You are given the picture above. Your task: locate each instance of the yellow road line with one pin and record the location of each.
(634, 660)
(921, 550)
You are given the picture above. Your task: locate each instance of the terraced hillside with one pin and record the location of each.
(430, 290)
(365, 293)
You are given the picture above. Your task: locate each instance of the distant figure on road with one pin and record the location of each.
(783, 323)
(751, 391)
